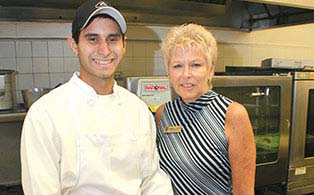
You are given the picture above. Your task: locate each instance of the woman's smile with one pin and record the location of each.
(189, 73)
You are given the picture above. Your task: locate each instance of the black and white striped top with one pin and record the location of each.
(196, 158)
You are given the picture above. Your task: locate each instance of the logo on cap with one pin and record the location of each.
(100, 4)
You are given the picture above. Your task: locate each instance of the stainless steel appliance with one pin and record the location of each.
(10, 135)
(154, 91)
(300, 179)
(7, 89)
(301, 166)
(268, 101)
(288, 64)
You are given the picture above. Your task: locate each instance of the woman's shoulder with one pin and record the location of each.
(236, 109)
(158, 114)
(237, 118)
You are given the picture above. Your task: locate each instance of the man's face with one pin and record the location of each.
(100, 50)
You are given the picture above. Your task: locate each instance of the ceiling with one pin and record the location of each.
(239, 14)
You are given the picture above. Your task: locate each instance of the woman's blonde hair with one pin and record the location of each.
(189, 36)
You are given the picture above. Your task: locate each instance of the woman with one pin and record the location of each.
(206, 141)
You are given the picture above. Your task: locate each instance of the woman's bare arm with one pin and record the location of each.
(242, 150)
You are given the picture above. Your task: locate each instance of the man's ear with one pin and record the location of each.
(73, 45)
(124, 41)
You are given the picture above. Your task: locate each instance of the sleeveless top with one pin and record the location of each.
(196, 157)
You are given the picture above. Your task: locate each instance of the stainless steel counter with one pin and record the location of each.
(17, 114)
(11, 122)
(12, 116)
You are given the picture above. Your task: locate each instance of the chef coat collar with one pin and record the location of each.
(88, 90)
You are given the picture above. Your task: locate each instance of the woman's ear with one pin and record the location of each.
(73, 45)
(211, 71)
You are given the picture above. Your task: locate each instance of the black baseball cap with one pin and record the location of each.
(92, 8)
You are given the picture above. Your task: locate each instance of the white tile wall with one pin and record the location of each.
(40, 48)
(24, 65)
(56, 64)
(42, 80)
(40, 64)
(129, 49)
(67, 51)
(55, 48)
(45, 59)
(7, 49)
(23, 49)
(8, 63)
(126, 61)
(139, 49)
(138, 66)
(71, 64)
(158, 67)
(25, 81)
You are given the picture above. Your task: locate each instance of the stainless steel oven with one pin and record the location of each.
(300, 177)
(301, 166)
(268, 101)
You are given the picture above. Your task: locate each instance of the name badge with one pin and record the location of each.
(173, 129)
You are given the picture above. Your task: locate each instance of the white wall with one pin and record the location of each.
(42, 57)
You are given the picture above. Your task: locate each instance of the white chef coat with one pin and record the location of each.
(77, 142)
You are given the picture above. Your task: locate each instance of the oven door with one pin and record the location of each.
(267, 100)
(301, 168)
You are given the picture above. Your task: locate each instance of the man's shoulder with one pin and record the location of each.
(128, 94)
(130, 98)
(53, 96)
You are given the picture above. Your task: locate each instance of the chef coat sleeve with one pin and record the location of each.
(40, 154)
(158, 182)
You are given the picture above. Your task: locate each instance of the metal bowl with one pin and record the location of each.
(31, 95)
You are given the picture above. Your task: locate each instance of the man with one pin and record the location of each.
(90, 136)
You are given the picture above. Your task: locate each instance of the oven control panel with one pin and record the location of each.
(154, 92)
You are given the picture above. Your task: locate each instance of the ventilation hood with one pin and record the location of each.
(239, 14)
(306, 4)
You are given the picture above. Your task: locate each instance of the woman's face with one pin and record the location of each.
(189, 73)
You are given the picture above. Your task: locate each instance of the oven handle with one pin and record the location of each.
(260, 93)
(257, 94)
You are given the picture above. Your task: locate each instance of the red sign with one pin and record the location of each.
(151, 87)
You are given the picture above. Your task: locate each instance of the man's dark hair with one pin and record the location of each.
(77, 34)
